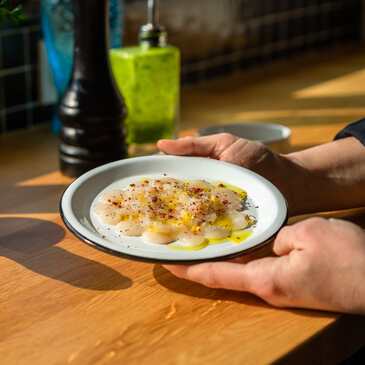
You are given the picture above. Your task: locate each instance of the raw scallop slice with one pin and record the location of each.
(189, 239)
(159, 233)
(130, 228)
(238, 220)
(108, 214)
(216, 232)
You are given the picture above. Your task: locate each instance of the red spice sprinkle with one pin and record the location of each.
(154, 199)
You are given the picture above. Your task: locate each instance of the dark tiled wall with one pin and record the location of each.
(215, 36)
(19, 106)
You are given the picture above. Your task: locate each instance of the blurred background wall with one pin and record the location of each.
(216, 37)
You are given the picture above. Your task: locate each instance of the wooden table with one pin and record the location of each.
(63, 302)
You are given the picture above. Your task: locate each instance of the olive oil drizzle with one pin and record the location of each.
(236, 237)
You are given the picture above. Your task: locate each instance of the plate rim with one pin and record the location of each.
(138, 258)
(286, 131)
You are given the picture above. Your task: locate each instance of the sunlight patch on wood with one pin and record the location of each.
(44, 216)
(295, 113)
(345, 86)
(53, 178)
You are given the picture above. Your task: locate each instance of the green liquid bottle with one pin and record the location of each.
(148, 77)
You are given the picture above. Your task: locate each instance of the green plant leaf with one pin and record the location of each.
(14, 15)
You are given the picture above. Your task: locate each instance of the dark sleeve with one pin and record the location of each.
(356, 129)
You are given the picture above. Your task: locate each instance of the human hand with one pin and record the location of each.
(322, 178)
(320, 265)
(279, 169)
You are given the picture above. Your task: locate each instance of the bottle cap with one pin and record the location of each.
(153, 34)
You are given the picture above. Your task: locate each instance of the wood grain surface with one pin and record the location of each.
(63, 302)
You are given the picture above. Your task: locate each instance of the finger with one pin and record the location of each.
(298, 235)
(190, 146)
(209, 146)
(258, 254)
(256, 277)
(214, 275)
(286, 241)
(245, 153)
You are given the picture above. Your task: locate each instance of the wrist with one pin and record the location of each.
(333, 175)
(306, 186)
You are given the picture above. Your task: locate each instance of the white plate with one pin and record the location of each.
(266, 203)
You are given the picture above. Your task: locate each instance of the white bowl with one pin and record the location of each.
(276, 136)
(266, 203)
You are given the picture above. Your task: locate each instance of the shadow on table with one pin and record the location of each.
(33, 199)
(186, 287)
(32, 244)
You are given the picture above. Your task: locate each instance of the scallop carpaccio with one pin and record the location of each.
(166, 210)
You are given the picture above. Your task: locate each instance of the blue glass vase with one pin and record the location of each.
(57, 25)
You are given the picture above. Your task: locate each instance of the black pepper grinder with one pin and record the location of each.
(92, 111)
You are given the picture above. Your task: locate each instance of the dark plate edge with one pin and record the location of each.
(159, 261)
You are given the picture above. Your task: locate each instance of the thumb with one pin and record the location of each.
(209, 146)
(256, 277)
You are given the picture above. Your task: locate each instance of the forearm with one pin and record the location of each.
(328, 177)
